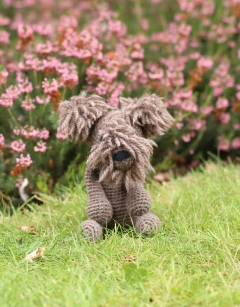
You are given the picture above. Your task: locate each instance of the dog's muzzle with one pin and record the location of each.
(122, 160)
(121, 155)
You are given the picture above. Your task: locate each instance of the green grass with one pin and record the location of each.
(192, 261)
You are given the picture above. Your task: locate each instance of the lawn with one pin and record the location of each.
(192, 261)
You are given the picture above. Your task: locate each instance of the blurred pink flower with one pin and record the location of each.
(61, 136)
(25, 86)
(117, 28)
(18, 146)
(42, 100)
(16, 131)
(24, 162)
(179, 125)
(43, 29)
(12, 92)
(41, 147)
(69, 80)
(217, 91)
(194, 55)
(19, 182)
(4, 38)
(222, 103)
(186, 138)
(1, 141)
(144, 24)
(156, 1)
(206, 110)
(198, 125)
(30, 132)
(156, 73)
(4, 21)
(24, 31)
(205, 63)
(235, 143)
(232, 44)
(225, 118)
(5, 101)
(184, 29)
(27, 104)
(3, 76)
(236, 126)
(238, 87)
(50, 87)
(223, 144)
(194, 43)
(238, 95)
(45, 49)
(44, 134)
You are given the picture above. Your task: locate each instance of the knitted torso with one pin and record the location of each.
(113, 201)
(99, 193)
(116, 195)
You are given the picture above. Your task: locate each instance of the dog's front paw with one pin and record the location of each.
(92, 230)
(147, 224)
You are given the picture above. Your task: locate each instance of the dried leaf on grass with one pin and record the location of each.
(130, 258)
(30, 229)
(38, 253)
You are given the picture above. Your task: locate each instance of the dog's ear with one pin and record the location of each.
(148, 113)
(78, 115)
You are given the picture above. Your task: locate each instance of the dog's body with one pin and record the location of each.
(119, 158)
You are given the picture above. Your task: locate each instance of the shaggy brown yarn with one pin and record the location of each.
(115, 135)
(119, 158)
(148, 113)
(77, 116)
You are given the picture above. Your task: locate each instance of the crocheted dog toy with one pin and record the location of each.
(119, 157)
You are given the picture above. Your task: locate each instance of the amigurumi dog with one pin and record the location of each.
(119, 157)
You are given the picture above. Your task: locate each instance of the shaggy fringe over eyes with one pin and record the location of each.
(116, 136)
(77, 116)
(149, 113)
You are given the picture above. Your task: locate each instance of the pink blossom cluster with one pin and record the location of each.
(221, 79)
(24, 162)
(41, 147)
(3, 76)
(18, 146)
(4, 38)
(1, 141)
(32, 133)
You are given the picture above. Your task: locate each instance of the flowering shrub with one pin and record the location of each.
(187, 53)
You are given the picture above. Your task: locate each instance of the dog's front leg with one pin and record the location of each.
(138, 201)
(138, 204)
(99, 209)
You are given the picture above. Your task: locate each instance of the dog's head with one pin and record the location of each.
(121, 147)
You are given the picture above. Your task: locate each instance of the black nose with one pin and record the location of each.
(121, 155)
